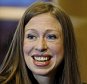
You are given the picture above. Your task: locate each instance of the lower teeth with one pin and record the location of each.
(41, 60)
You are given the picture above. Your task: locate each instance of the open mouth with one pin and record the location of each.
(41, 60)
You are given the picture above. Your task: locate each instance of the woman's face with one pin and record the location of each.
(43, 44)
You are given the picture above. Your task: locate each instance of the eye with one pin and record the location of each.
(51, 37)
(31, 37)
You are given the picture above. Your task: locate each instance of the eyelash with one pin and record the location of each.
(49, 37)
(52, 37)
(30, 36)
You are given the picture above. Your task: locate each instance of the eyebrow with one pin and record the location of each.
(48, 30)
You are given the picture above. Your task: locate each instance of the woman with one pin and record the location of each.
(43, 49)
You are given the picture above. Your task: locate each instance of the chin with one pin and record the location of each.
(43, 72)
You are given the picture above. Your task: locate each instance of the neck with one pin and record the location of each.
(44, 79)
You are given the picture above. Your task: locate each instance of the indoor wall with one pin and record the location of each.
(77, 10)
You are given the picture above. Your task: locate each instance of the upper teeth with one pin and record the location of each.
(41, 58)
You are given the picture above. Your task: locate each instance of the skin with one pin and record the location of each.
(43, 38)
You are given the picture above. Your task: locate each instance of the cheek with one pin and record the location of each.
(57, 49)
(58, 53)
(27, 47)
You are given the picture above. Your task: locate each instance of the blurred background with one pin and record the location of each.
(12, 10)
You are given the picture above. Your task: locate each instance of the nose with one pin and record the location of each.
(41, 45)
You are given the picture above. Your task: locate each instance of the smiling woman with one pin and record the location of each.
(43, 49)
(43, 43)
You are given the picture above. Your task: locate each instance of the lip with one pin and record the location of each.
(41, 60)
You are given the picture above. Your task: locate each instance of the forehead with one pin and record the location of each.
(43, 21)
